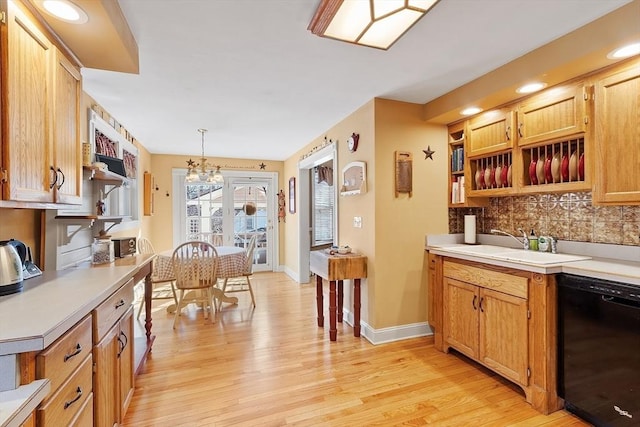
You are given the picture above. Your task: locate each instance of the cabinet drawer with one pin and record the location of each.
(62, 357)
(63, 406)
(501, 282)
(84, 417)
(108, 313)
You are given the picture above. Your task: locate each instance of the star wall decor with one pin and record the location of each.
(262, 166)
(428, 153)
(191, 163)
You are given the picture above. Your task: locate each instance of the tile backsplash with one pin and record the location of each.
(568, 216)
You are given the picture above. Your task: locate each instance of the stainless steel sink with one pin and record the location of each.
(515, 255)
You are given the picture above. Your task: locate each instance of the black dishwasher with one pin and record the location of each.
(599, 349)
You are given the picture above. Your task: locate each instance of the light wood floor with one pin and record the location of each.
(273, 366)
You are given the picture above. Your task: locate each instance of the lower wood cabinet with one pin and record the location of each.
(501, 317)
(114, 358)
(68, 364)
(479, 322)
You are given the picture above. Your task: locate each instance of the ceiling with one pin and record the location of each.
(264, 86)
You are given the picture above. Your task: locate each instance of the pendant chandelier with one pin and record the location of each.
(203, 172)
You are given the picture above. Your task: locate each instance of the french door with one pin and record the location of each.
(247, 214)
(230, 214)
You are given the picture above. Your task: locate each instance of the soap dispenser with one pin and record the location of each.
(533, 241)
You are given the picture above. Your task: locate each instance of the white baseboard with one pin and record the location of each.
(394, 333)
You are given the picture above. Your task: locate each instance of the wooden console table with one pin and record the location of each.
(336, 269)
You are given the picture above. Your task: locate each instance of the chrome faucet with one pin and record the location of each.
(524, 242)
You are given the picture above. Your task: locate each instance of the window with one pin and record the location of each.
(322, 205)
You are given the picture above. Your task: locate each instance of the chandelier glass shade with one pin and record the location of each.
(203, 172)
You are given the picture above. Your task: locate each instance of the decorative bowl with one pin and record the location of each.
(344, 250)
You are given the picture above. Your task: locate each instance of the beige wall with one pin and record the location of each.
(23, 225)
(162, 165)
(399, 293)
(393, 229)
(361, 122)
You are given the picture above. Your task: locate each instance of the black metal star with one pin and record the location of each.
(428, 153)
(262, 165)
(191, 163)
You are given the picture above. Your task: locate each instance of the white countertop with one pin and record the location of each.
(51, 304)
(625, 267)
(16, 405)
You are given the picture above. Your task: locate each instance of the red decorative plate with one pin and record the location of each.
(564, 168)
(532, 172)
(581, 167)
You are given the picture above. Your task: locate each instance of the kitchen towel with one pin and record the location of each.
(470, 229)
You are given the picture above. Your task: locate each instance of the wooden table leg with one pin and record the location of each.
(319, 301)
(333, 330)
(340, 299)
(356, 307)
(148, 287)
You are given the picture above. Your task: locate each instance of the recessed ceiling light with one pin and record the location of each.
(64, 10)
(625, 51)
(470, 111)
(531, 87)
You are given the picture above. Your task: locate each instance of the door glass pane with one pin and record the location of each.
(250, 217)
(204, 213)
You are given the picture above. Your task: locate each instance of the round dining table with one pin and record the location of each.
(231, 263)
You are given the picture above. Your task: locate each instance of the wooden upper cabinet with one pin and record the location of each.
(556, 113)
(66, 131)
(490, 132)
(28, 160)
(617, 136)
(41, 99)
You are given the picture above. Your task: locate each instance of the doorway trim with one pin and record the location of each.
(330, 152)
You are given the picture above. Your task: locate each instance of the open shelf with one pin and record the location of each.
(106, 176)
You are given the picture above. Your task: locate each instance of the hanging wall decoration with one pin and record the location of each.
(428, 153)
(282, 210)
(404, 172)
